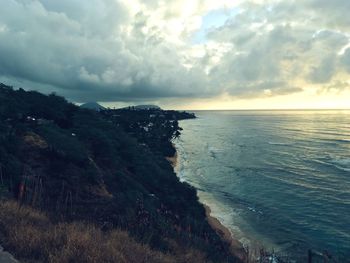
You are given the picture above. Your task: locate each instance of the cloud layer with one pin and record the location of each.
(109, 50)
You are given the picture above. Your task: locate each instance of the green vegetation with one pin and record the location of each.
(106, 169)
(153, 127)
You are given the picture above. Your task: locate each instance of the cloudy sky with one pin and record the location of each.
(192, 54)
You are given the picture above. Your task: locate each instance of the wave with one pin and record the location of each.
(304, 184)
(340, 163)
(249, 136)
(214, 151)
(279, 143)
(331, 133)
(346, 141)
(342, 168)
(255, 210)
(281, 181)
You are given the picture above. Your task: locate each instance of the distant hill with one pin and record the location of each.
(147, 107)
(92, 106)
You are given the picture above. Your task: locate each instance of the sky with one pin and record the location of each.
(180, 54)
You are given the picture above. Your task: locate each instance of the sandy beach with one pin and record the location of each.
(236, 247)
(173, 160)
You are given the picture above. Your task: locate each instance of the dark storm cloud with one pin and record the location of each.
(79, 48)
(100, 50)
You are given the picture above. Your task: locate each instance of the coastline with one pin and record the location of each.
(173, 160)
(236, 246)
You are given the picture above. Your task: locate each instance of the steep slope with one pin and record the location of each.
(82, 165)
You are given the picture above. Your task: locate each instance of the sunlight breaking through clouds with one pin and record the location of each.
(154, 50)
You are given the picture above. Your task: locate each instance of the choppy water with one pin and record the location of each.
(276, 178)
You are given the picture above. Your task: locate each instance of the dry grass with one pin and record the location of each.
(31, 237)
(34, 140)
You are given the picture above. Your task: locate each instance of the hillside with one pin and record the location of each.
(104, 170)
(92, 106)
(147, 107)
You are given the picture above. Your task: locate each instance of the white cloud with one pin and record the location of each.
(128, 50)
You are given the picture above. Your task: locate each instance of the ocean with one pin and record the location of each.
(277, 179)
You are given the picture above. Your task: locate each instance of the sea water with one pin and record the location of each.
(278, 179)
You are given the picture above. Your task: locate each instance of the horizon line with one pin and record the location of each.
(301, 109)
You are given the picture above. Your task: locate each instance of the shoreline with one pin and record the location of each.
(236, 247)
(225, 234)
(173, 160)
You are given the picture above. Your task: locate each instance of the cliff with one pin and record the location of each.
(104, 169)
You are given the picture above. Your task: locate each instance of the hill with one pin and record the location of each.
(147, 107)
(141, 107)
(92, 106)
(99, 170)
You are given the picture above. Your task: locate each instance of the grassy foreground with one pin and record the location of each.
(31, 237)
